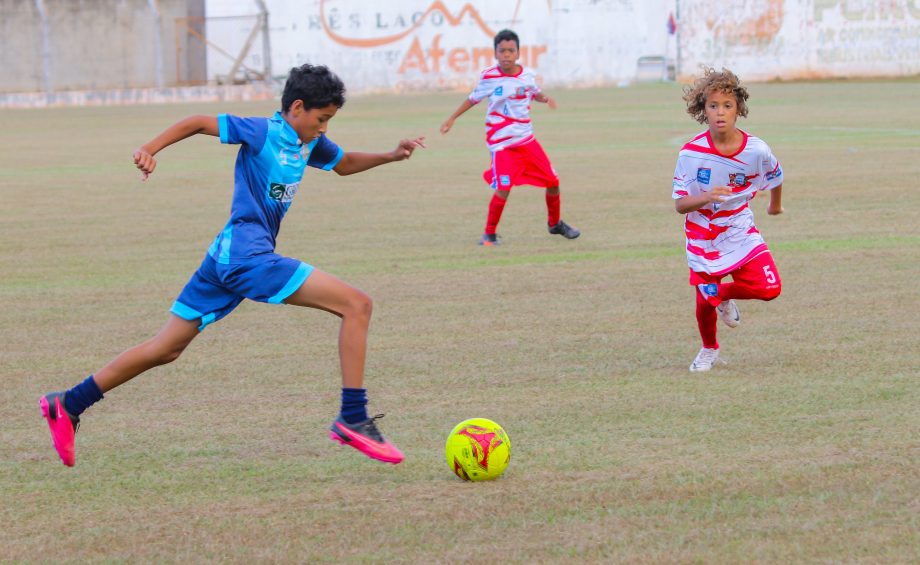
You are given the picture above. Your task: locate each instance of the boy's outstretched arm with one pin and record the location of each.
(545, 99)
(354, 162)
(464, 106)
(776, 201)
(144, 155)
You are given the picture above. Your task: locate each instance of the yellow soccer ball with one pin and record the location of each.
(478, 450)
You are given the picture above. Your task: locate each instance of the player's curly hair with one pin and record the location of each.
(316, 86)
(714, 81)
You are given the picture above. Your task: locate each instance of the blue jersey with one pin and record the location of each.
(269, 167)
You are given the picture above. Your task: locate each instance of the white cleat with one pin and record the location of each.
(728, 312)
(705, 359)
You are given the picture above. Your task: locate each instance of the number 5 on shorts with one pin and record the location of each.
(771, 277)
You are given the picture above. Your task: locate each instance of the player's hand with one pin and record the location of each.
(718, 194)
(406, 147)
(774, 210)
(445, 127)
(551, 102)
(145, 162)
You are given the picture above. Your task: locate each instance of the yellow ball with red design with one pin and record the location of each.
(478, 450)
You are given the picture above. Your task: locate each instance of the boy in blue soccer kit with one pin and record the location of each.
(241, 263)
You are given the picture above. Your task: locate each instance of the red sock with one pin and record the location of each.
(496, 206)
(552, 208)
(706, 319)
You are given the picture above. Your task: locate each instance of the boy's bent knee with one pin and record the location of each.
(773, 292)
(360, 305)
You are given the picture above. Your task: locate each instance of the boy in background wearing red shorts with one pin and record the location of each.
(517, 157)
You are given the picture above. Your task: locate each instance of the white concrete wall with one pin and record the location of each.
(57, 45)
(405, 45)
(789, 39)
(429, 44)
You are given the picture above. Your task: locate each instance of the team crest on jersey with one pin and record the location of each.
(283, 193)
(521, 90)
(737, 179)
(702, 175)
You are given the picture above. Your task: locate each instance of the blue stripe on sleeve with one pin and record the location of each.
(338, 157)
(222, 128)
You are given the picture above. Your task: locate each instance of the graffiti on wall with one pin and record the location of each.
(427, 45)
(802, 38)
(867, 33)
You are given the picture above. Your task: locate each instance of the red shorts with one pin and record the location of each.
(758, 273)
(522, 164)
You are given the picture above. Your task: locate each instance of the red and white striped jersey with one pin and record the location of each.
(722, 236)
(508, 117)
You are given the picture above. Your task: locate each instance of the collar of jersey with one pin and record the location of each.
(287, 133)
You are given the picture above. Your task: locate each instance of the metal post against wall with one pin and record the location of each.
(46, 45)
(157, 42)
(266, 43)
(677, 39)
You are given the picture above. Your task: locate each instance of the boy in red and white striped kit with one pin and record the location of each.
(517, 157)
(718, 173)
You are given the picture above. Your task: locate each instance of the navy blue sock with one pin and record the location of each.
(82, 396)
(354, 405)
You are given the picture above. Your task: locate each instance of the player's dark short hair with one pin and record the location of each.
(714, 81)
(316, 86)
(506, 35)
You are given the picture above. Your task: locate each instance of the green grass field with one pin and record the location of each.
(804, 448)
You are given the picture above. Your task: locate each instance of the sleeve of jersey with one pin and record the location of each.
(480, 91)
(325, 154)
(534, 86)
(247, 131)
(773, 172)
(680, 186)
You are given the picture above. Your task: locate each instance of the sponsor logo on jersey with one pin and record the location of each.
(702, 175)
(737, 179)
(283, 193)
(498, 91)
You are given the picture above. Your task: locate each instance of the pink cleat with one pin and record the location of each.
(366, 438)
(63, 425)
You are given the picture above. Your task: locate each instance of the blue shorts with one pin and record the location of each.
(217, 288)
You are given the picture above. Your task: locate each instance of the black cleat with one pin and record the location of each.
(565, 230)
(489, 240)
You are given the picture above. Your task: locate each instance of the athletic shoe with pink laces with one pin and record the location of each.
(366, 438)
(63, 425)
